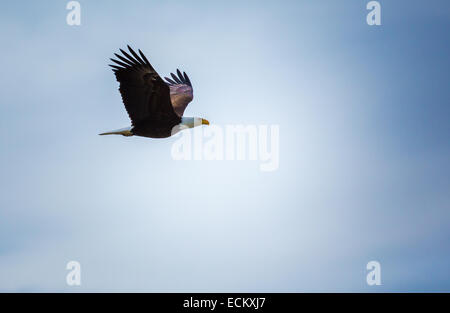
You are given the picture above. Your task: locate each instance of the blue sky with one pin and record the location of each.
(364, 148)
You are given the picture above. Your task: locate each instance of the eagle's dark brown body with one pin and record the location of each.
(155, 129)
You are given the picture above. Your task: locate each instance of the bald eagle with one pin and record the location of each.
(155, 106)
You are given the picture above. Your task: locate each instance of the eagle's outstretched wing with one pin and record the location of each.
(145, 95)
(181, 92)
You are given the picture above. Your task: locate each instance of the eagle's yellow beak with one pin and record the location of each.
(205, 122)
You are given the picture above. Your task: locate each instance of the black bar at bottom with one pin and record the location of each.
(221, 302)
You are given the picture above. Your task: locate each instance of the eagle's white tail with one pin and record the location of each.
(123, 131)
